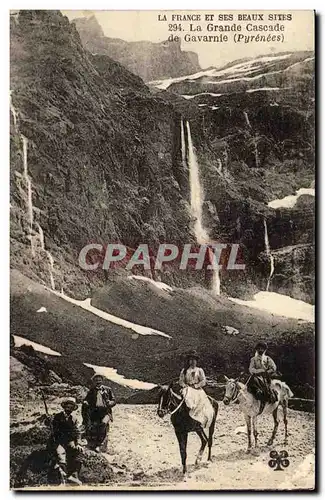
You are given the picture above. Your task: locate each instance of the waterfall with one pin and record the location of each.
(183, 145)
(255, 140)
(269, 254)
(41, 237)
(29, 194)
(14, 113)
(256, 152)
(201, 234)
(197, 198)
(216, 281)
(30, 210)
(51, 267)
(247, 119)
(48, 255)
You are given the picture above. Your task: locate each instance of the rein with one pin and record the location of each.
(235, 395)
(171, 398)
(178, 407)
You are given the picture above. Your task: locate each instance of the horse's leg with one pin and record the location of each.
(276, 425)
(285, 420)
(254, 421)
(210, 439)
(249, 432)
(202, 435)
(182, 441)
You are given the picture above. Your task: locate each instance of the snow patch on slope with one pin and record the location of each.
(111, 374)
(291, 200)
(280, 305)
(86, 304)
(19, 341)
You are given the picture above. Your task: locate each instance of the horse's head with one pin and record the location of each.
(232, 390)
(164, 400)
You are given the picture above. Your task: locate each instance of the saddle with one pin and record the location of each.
(273, 399)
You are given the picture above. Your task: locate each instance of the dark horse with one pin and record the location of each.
(172, 403)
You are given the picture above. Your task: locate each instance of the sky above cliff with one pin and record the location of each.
(144, 25)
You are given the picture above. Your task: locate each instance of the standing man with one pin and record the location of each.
(97, 412)
(66, 439)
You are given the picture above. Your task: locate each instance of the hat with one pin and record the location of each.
(69, 401)
(192, 354)
(97, 375)
(261, 345)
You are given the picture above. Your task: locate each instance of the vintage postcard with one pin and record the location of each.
(162, 250)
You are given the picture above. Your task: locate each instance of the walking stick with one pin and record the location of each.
(61, 472)
(45, 405)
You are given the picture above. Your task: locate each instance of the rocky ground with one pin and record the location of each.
(143, 452)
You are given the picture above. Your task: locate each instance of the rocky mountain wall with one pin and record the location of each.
(148, 60)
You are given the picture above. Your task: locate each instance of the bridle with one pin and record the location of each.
(172, 396)
(235, 393)
(178, 407)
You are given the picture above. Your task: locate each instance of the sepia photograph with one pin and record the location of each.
(162, 250)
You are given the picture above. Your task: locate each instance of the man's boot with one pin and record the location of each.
(61, 470)
(74, 479)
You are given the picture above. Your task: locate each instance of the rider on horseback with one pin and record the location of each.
(192, 380)
(262, 368)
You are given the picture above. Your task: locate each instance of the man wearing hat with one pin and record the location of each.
(192, 380)
(66, 439)
(97, 412)
(262, 368)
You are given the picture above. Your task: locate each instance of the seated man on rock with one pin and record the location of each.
(66, 441)
(97, 412)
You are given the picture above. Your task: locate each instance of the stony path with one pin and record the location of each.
(146, 445)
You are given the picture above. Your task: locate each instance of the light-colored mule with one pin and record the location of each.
(250, 406)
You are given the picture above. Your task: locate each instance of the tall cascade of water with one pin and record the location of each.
(14, 113)
(257, 162)
(183, 145)
(197, 198)
(30, 211)
(28, 184)
(247, 119)
(48, 255)
(269, 254)
(255, 140)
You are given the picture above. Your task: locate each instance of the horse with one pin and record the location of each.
(250, 406)
(173, 403)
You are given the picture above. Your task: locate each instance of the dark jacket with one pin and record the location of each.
(65, 429)
(108, 399)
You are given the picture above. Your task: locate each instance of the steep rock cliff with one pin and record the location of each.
(253, 130)
(95, 138)
(146, 59)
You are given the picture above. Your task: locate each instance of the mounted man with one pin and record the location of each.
(97, 412)
(262, 369)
